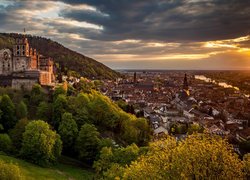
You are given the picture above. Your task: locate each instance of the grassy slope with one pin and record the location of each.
(59, 171)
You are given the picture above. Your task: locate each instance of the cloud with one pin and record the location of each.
(127, 33)
(167, 20)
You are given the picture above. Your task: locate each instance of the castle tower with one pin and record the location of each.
(21, 55)
(185, 83)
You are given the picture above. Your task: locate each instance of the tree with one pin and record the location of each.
(8, 119)
(78, 106)
(59, 90)
(36, 95)
(40, 144)
(113, 157)
(59, 107)
(68, 130)
(44, 111)
(197, 157)
(21, 110)
(87, 143)
(16, 133)
(135, 130)
(5, 143)
(102, 111)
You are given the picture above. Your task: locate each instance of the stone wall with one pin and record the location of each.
(23, 83)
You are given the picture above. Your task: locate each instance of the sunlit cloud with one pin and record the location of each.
(188, 32)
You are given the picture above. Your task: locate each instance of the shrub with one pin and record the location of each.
(9, 171)
(5, 143)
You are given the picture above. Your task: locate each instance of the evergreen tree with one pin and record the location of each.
(8, 118)
(44, 111)
(16, 133)
(21, 110)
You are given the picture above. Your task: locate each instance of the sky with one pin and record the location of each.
(141, 34)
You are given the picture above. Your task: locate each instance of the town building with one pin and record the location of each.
(23, 66)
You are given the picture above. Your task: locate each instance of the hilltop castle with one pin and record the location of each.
(23, 66)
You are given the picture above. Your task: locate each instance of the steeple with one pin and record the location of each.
(185, 83)
(135, 80)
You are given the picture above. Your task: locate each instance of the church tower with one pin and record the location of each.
(135, 80)
(21, 56)
(185, 83)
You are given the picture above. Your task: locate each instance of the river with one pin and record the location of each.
(222, 84)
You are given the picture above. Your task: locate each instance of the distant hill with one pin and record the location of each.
(70, 59)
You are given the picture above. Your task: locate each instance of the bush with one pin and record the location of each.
(5, 143)
(40, 144)
(9, 171)
(16, 134)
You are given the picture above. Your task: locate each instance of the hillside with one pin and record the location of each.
(59, 171)
(72, 60)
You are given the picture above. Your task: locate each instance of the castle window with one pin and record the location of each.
(23, 47)
(23, 52)
(18, 47)
(17, 53)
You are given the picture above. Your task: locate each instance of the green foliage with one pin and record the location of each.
(103, 111)
(197, 157)
(9, 171)
(5, 143)
(87, 143)
(59, 90)
(44, 111)
(111, 158)
(85, 85)
(122, 104)
(36, 95)
(79, 108)
(21, 110)
(195, 128)
(136, 130)
(40, 145)
(65, 170)
(68, 130)
(8, 119)
(1, 128)
(60, 106)
(16, 133)
(106, 142)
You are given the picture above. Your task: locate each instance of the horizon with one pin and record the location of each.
(169, 35)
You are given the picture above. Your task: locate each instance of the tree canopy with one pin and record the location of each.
(40, 144)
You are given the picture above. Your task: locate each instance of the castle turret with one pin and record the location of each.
(21, 54)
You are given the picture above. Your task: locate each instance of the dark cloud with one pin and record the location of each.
(107, 30)
(178, 20)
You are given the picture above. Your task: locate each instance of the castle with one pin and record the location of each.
(22, 67)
